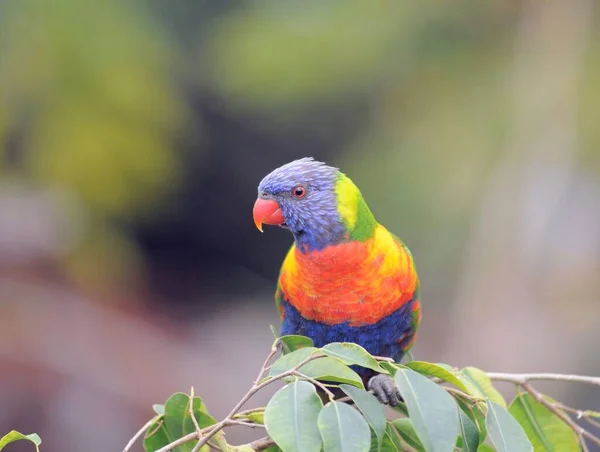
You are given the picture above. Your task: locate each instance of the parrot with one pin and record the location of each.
(346, 278)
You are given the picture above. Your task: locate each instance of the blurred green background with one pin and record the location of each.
(133, 136)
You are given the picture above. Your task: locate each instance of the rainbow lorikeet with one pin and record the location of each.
(346, 277)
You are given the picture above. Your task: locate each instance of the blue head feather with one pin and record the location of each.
(314, 219)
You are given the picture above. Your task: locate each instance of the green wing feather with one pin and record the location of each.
(416, 314)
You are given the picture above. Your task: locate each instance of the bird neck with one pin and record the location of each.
(321, 237)
(353, 220)
(353, 210)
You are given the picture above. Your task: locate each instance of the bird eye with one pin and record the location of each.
(299, 191)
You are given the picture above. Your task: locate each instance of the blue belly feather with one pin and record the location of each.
(388, 337)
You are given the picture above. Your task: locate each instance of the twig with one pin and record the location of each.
(263, 369)
(213, 446)
(178, 442)
(580, 414)
(385, 358)
(253, 390)
(250, 411)
(521, 379)
(246, 424)
(347, 398)
(201, 432)
(261, 444)
(316, 383)
(474, 400)
(591, 421)
(255, 387)
(556, 409)
(191, 409)
(139, 433)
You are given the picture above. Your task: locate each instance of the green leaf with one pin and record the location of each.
(391, 440)
(257, 416)
(448, 367)
(13, 436)
(437, 370)
(286, 362)
(332, 370)
(371, 409)
(480, 385)
(390, 367)
(158, 408)
(156, 437)
(343, 429)
(351, 354)
(485, 448)
(475, 415)
(274, 448)
(545, 430)
(432, 410)
(407, 431)
(291, 418)
(506, 433)
(401, 408)
(294, 342)
(325, 368)
(469, 433)
(178, 420)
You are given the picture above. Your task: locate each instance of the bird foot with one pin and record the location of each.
(384, 389)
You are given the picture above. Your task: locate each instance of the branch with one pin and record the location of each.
(384, 358)
(179, 442)
(253, 390)
(588, 415)
(263, 369)
(317, 383)
(246, 424)
(245, 413)
(139, 433)
(261, 444)
(191, 410)
(557, 409)
(214, 437)
(520, 379)
(472, 399)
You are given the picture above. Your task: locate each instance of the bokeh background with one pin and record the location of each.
(133, 135)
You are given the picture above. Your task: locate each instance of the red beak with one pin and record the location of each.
(267, 211)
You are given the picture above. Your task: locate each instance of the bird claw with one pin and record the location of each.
(384, 389)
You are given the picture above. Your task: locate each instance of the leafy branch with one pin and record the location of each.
(522, 382)
(521, 379)
(444, 409)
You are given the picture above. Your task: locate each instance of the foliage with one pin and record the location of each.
(16, 436)
(543, 427)
(444, 409)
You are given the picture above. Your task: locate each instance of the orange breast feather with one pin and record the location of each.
(355, 282)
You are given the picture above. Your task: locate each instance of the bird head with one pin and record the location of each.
(316, 202)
